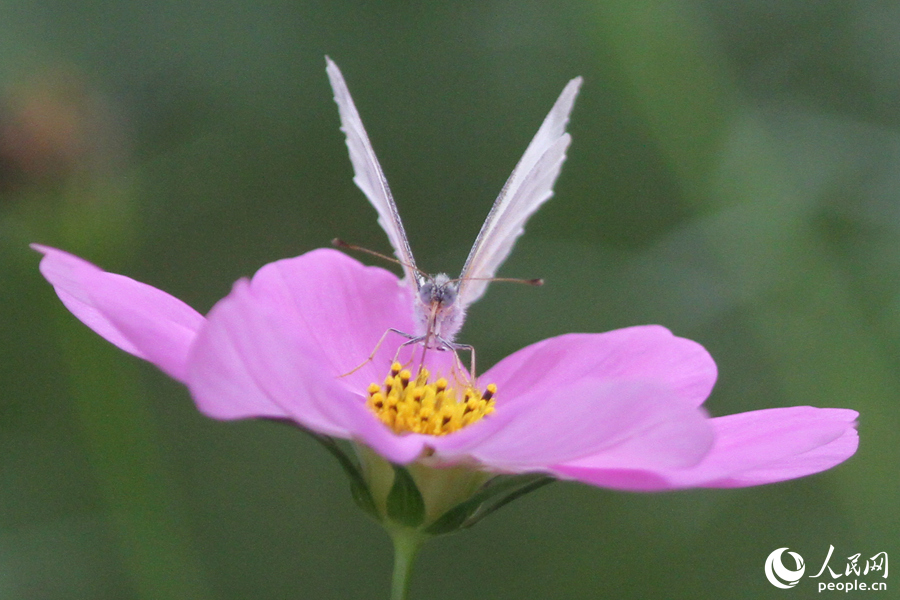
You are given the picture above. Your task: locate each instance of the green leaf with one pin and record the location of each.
(497, 493)
(405, 504)
(453, 519)
(537, 483)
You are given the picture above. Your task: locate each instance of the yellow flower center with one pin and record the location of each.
(415, 405)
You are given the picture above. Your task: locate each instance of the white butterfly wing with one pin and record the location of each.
(529, 186)
(368, 175)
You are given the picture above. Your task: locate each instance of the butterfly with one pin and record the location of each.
(440, 302)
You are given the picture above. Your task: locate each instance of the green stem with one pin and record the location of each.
(406, 545)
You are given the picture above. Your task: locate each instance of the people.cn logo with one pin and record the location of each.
(779, 575)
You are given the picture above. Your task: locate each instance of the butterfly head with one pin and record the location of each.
(437, 305)
(439, 291)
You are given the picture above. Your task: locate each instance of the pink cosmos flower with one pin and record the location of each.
(620, 409)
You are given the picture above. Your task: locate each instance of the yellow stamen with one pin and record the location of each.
(414, 405)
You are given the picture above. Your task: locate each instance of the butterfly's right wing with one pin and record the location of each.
(529, 186)
(368, 175)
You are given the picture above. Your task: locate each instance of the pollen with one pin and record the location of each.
(418, 405)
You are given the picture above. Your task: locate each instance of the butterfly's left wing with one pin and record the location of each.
(368, 175)
(529, 186)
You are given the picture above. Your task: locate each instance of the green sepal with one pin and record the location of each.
(495, 494)
(359, 489)
(405, 504)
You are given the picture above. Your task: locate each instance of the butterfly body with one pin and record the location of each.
(440, 303)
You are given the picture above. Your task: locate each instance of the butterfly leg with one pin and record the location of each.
(420, 339)
(454, 347)
(430, 341)
(471, 350)
(411, 339)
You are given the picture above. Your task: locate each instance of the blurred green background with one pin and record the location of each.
(734, 175)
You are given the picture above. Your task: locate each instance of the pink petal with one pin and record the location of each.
(648, 352)
(629, 393)
(134, 316)
(766, 446)
(342, 308)
(221, 384)
(274, 347)
(751, 448)
(618, 422)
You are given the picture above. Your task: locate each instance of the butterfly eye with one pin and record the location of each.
(446, 294)
(426, 292)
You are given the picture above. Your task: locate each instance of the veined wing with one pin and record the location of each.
(368, 175)
(529, 186)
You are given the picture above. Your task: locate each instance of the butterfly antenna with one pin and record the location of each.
(339, 243)
(535, 282)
